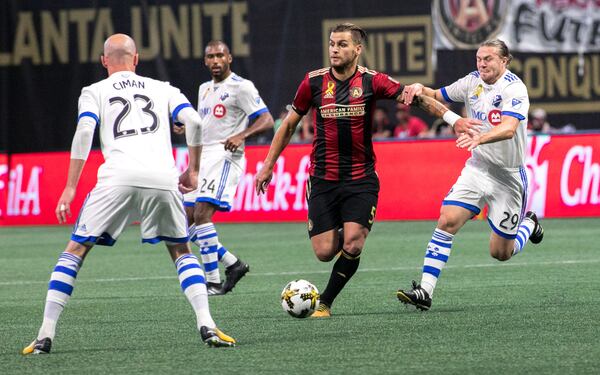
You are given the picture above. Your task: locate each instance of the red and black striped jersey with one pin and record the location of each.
(343, 116)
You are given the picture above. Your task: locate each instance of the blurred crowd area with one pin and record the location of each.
(397, 121)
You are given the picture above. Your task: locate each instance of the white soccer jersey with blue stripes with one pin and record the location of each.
(488, 103)
(133, 116)
(226, 108)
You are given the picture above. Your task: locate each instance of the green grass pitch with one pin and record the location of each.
(538, 313)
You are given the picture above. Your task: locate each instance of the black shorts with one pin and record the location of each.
(333, 203)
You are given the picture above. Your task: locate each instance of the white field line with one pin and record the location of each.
(291, 273)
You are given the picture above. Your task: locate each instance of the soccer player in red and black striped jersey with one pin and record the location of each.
(343, 187)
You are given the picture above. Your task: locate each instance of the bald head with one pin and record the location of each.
(119, 54)
(119, 47)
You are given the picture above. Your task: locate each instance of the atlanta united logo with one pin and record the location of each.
(466, 24)
(355, 92)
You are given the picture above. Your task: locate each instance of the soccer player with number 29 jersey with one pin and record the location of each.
(343, 187)
(137, 182)
(494, 175)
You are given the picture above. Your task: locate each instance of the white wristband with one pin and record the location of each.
(450, 117)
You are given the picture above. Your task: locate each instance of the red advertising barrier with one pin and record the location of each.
(564, 175)
(415, 176)
(30, 185)
(563, 170)
(3, 185)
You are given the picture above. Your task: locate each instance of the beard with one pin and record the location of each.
(343, 65)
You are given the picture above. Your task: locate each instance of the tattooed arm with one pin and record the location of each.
(426, 99)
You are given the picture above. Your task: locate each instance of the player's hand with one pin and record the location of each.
(467, 125)
(410, 91)
(63, 207)
(179, 129)
(263, 179)
(234, 142)
(468, 141)
(188, 181)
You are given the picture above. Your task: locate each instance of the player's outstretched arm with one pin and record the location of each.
(430, 101)
(435, 108)
(280, 141)
(416, 89)
(263, 122)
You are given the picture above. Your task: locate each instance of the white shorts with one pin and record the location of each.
(505, 193)
(219, 176)
(108, 209)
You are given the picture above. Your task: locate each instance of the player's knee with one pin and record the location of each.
(324, 253)
(176, 250)
(201, 216)
(353, 248)
(500, 254)
(77, 249)
(448, 223)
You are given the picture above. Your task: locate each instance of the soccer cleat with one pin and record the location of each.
(214, 289)
(417, 297)
(215, 338)
(323, 311)
(233, 274)
(38, 347)
(538, 232)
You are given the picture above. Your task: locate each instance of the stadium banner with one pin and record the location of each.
(563, 171)
(555, 45)
(49, 50)
(553, 26)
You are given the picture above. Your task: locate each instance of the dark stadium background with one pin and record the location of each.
(274, 43)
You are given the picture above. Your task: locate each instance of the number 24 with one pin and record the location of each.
(207, 185)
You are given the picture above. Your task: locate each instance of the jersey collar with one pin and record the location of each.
(216, 85)
(488, 86)
(347, 79)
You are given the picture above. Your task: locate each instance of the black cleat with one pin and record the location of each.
(538, 232)
(215, 338)
(42, 346)
(233, 274)
(214, 289)
(417, 297)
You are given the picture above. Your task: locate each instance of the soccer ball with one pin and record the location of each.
(300, 298)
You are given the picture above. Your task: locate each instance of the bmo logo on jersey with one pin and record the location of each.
(495, 117)
(219, 111)
(481, 116)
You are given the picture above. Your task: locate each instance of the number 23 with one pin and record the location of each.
(117, 132)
